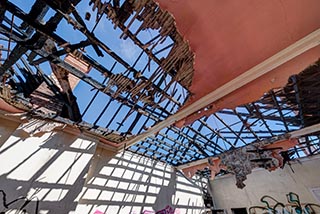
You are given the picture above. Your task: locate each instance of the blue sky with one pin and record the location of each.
(124, 48)
(129, 52)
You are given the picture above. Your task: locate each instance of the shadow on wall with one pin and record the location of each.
(129, 183)
(49, 170)
(50, 174)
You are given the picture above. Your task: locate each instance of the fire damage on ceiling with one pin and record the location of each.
(133, 70)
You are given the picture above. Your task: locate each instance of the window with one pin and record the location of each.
(218, 211)
(239, 211)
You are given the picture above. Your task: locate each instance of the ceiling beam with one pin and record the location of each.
(308, 42)
(293, 134)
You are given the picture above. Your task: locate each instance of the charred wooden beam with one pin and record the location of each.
(247, 126)
(194, 142)
(15, 55)
(200, 139)
(171, 149)
(66, 6)
(59, 40)
(217, 133)
(37, 10)
(91, 37)
(260, 115)
(166, 136)
(279, 110)
(290, 119)
(15, 27)
(228, 127)
(37, 40)
(3, 9)
(57, 61)
(298, 99)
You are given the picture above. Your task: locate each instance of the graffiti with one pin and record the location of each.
(294, 206)
(98, 212)
(19, 205)
(167, 210)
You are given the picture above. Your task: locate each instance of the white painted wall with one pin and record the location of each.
(128, 183)
(60, 169)
(7, 127)
(70, 174)
(50, 167)
(276, 184)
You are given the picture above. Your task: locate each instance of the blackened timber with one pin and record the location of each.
(97, 92)
(279, 110)
(15, 55)
(67, 49)
(171, 148)
(186, 148)
(93, 82)
(163, 49)
(96, 131)
(78, 73)
(247, 126)
(214, 133)
(257, 132)
(45, 30)
(96, 41)
(82, 76)
(37, 8)
(308, 146)
(115, 114)
(197, 136)
(217, 133)
(259, 114)
(3, 9)
(192, 140)
(92, 99)
(137, 41)
(124, 12)
(18, 29)
(176, 141)
(152, 111)
(267, 117)
(36, 40)
(60, 41)
(143, 126)
(183, 138)
(147, 149)
(134, 123)
(103, 111)
(128, 95)
(66, 6)
(160, 144)
(228, 127)
(55, 89)
(32, 81)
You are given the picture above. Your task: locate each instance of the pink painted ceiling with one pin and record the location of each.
(229, 37)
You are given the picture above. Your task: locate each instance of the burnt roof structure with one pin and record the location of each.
(144, 85)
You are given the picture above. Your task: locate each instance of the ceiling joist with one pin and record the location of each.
(308, 42)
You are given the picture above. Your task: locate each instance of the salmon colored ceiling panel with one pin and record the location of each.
(229, 37)
(8, 108)
(254, 90)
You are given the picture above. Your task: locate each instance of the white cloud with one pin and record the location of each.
(128, 50)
